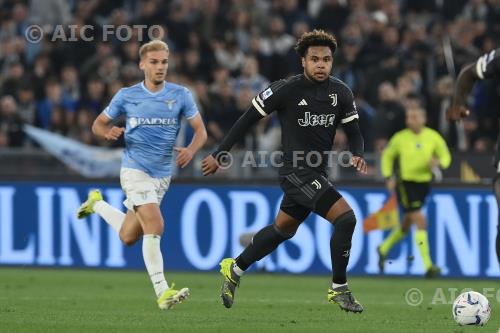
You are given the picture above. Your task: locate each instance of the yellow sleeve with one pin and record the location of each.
(442, 152)
(389, 155)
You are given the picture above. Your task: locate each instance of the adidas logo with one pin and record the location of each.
(302, 102)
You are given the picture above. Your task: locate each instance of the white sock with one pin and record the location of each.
(110, 214)
(335, 285)
(154, 262)
(238, 271)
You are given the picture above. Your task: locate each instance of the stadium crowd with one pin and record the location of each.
(394, 55)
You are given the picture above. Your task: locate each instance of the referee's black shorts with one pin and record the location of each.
(306, 190)
(411, 195)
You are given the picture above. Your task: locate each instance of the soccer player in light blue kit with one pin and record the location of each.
(153, 110)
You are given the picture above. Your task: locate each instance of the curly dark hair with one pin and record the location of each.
(315, 38)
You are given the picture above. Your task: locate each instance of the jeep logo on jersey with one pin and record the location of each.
(134, 122)
(317, 120)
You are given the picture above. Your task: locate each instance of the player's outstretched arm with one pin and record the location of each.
(210, 164)
(465, 82)
(356, 145)
(185, 154)
(101, 128)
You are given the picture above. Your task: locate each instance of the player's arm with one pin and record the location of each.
(356, 145)
(102, 128)
(465, 82)
(389, 154)
(442, 153)
(349, 121)
(262, 105)
(211, 163)
(487, 66)
(200, 137)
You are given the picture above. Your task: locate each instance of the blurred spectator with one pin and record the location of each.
(130, 52)
(223, 113)
(11, 124)
(291, 13)
(91, 64)
(82, 129)
(191, 65)
(475, 10)
(390, 116)
(109, 69)
(95, 96)
(70, 84)
(242, 29)
(250, 78)
(228, 54)
(13, 80)
(274, 46)
(42, 70)
(54, 102)
(221, 77)
(27, 104)
(333, 15)
(49, 13)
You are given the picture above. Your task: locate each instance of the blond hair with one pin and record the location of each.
(154, 45)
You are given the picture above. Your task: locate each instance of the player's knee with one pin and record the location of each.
(127, 239)
(154, 227)
(346, 222)
(287, 231)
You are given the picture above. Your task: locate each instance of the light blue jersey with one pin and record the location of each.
(153, 121)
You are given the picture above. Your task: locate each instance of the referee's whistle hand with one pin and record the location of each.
(114, 133)
(360, 164)
(209, 165)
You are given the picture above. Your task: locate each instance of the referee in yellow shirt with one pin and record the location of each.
(418, 149)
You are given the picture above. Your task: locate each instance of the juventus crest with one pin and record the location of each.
(334, 99)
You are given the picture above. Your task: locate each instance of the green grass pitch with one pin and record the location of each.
(60, 300)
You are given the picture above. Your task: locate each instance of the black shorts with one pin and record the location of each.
(307, 191)
(411, 195)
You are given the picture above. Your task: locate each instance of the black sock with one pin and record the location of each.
(498, 240)
(340, 246)
(496, 189)
(263, 243)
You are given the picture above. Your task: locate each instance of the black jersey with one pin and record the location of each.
(488, 65)
(309, 113)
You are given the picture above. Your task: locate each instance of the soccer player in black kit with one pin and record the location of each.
(310, 106)
(486, 67)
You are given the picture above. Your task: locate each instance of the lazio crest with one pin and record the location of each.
(170, 103)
